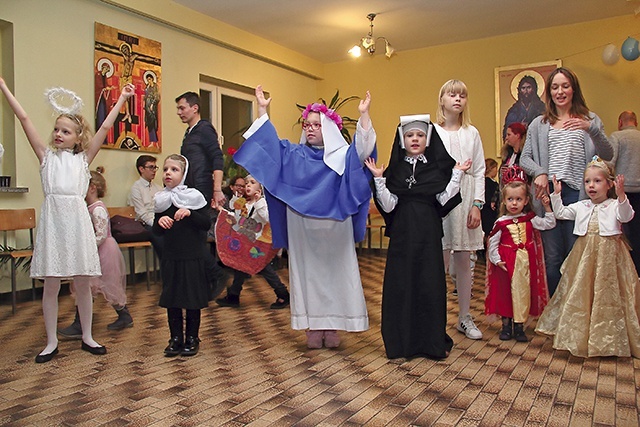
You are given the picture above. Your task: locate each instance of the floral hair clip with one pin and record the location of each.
(514, 174)
(321, 108)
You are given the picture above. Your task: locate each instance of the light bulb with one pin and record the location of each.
(355, 51)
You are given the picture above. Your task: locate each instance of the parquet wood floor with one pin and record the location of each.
(254, 370)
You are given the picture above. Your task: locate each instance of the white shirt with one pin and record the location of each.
(388, 200)
(141, 198)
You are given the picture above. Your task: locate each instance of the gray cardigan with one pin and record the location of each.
(535, 154)
(626, 144)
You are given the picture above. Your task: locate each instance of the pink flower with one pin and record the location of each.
(231, 151)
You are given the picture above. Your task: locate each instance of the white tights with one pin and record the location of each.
(461, 264)
(84, 301)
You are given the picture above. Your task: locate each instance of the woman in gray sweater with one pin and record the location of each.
(560, 143)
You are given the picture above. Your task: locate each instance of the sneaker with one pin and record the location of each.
(467, 327)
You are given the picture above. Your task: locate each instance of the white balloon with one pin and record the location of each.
(610, 54)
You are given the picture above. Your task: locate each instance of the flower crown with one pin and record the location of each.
(321, 108)
(514, 174)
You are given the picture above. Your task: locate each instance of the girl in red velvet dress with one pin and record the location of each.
(516, 279)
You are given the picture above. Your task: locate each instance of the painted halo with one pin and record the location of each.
(105, 61)
(150, 73)
(516, 80)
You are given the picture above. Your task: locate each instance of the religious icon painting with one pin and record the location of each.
(121, 58)
(520, 94)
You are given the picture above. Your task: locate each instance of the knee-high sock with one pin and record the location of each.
(84, 299)
(50, 312)
(193, 323)
(176, 323)
(462, 265)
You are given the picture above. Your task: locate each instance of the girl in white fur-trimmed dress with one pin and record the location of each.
(595, 310)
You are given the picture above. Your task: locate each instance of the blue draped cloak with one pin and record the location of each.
(296, 176)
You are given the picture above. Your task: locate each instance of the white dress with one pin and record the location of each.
(325, 286)
(65, 242)
(464, 144)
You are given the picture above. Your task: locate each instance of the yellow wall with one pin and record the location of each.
(53, 46)
(409, 82)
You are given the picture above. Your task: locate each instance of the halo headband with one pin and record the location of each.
(57, 96)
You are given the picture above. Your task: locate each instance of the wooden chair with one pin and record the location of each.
(14, 220)
(130, 212)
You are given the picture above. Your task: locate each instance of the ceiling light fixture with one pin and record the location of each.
(368, 42)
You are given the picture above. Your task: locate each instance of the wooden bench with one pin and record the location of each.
(14, 220)
(129, 212)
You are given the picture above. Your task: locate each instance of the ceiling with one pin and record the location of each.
(329, 28)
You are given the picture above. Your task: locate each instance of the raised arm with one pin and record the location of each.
(38, 145)
(101, 134)
(363, 107)
(365, 139)
(263, 103)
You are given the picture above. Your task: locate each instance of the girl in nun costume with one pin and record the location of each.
(418, 188)
(318, 195)
(182, 218)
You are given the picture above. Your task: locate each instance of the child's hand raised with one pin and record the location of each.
(181, 214)
(128, 90)
(165, 222)
(557, 185)
(263, 103)
(619, 184)
(464, 166)
(375, 170)
(363, 107)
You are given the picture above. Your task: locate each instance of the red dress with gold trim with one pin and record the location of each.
(517, 233)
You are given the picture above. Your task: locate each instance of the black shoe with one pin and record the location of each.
(506, 334)
(99, 350)
(174, 348)
(73, 331)
(123, 321)
(44, 358)
(229, 301)
(191, 346)
(280, 304)
(518, 333)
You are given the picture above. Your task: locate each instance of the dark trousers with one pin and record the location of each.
(269, 275)
(558, 241)
(631, 229)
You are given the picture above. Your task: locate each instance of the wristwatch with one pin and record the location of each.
(478, 204)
